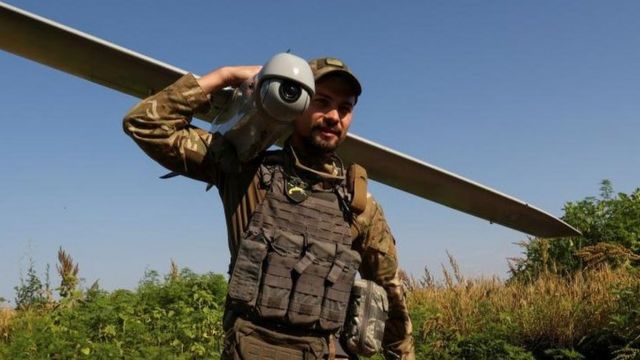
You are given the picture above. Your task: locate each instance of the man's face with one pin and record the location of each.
(325, 123)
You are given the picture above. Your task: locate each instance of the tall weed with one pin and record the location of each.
(6, 315)
(550, 312)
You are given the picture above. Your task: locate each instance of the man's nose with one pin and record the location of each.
(332, 115)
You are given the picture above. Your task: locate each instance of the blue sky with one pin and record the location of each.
(538, 99)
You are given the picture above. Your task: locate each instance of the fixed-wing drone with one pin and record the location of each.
(99, 61)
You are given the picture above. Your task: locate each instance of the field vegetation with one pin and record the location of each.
(576, 298)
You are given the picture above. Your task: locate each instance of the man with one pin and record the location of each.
(275, 318)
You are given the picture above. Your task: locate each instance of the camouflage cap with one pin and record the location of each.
(327, 65)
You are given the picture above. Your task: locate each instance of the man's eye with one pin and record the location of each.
(345, 109)
(321, 102)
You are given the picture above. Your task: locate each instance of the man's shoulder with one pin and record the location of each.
(374, 227)
(371, 209)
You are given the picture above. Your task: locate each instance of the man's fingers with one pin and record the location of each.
(227, 76)
(236, 75)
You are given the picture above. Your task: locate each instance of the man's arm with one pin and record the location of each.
(161, 124)
(380, 264)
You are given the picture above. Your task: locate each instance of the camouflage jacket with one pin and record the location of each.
(161, 126)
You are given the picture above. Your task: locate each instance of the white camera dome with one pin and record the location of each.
(283, 99)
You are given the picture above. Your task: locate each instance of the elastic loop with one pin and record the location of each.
(336, 270)
(302, 265)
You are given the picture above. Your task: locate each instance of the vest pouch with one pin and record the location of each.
(364, 326)
(311, 271)
(338, 290)
(277, 281)
(253, 342)
(247, 270)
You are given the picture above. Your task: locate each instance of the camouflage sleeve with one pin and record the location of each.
(380, 264)
(161, 126)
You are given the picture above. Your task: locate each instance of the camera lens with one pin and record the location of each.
(290, 91)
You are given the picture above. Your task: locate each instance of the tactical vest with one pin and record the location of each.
(295, 265)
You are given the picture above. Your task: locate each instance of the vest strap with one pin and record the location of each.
(357, 184)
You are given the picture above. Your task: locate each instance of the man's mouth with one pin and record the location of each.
(327, 132)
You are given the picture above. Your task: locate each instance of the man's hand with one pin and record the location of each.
(226, 76)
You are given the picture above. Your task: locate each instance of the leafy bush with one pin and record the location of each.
(173, 318)
(31, 291)
(609, 219)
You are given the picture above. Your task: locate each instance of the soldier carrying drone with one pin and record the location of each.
(300, 224)
(281, 207)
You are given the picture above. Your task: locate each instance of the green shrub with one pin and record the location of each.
(175, 318)
(610, 219)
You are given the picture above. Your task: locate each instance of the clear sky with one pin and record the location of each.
(537, 99)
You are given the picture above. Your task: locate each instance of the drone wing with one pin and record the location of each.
(430, 182)
(99, 61)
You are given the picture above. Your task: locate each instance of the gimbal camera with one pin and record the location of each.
(261, 110)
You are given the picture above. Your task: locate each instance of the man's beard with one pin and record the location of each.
(315, 145)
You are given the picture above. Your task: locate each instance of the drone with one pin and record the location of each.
(72, 51)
